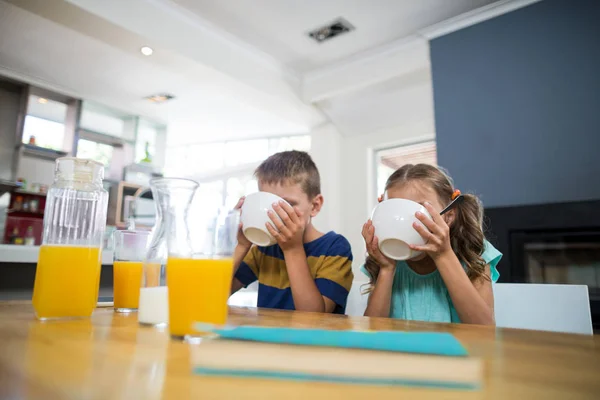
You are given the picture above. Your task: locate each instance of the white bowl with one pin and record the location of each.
(393, 220)
(254, 217)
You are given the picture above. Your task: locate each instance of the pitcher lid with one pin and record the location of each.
(78, 169)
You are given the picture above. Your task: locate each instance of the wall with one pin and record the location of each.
(325, 150)
(516, 104)
(10, 104)
(358, 195)
(396, 111)
(36, 170)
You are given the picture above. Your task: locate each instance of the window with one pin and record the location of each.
(389, 160)
(147, 134)
(44, 123)
(95, 151)
(204, 158)
(246, 151)
(43, 133)
(207, 201)
(100, 119)
(301, 143)
(226, 169)
(239, 186)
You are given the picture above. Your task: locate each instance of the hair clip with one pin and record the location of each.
(455, 194)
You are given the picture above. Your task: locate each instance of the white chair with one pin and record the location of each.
(357, 302)
(543, 307)
(245, 297)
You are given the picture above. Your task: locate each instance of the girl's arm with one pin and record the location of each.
(474, 302)
(381, 297)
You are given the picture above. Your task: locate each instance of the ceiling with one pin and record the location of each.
(279, 27)
(236, 67)
(58, 46)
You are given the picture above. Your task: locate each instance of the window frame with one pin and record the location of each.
(372, 163)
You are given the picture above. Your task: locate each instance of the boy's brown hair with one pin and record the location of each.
(291, 166)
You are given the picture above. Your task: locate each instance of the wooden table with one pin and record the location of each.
(110, 357)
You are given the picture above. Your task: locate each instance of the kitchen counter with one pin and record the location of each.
(29, 254)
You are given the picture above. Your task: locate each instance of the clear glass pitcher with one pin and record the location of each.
(67, 276)
(170, 237)
(200, 284)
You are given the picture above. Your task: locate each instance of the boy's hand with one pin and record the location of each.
(241, 238)
(368, 233)
(291, 226)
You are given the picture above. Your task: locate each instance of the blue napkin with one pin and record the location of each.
(408, 342)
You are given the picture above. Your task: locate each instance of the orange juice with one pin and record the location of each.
(127, 278)
(198, 292)
(66, 281)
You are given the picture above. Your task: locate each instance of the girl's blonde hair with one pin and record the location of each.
(466, 231)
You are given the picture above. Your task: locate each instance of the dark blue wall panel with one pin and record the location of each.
(517, 104)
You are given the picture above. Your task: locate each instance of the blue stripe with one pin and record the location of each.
(245, 275)
(335, 292)
(357, 380)
(272, 297)
(330, 244)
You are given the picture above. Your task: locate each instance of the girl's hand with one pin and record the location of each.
(241, 238)
(436, 233)
(368, 233)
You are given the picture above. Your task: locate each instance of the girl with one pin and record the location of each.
(451, 281)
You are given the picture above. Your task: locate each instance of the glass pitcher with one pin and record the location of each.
(170, 236)
(200, 284)
(67, 276)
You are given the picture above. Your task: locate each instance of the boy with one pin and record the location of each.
(306, 270)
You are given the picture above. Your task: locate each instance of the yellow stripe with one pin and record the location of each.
(252, 259)
(337, 269)
(273, 271)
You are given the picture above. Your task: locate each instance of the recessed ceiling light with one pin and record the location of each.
(331, 30)
(42, 100)
(160, 98)
(147, 51)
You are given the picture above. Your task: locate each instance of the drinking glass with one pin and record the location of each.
(170, 237)
(129, 252)
(200, 285)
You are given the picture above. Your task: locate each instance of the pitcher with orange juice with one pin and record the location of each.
(67, 276)
(200, 283)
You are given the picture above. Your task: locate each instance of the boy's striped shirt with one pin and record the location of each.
(329, 259)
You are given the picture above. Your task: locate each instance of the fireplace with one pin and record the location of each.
(550, 243)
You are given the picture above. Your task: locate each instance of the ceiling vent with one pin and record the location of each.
(160, 98)
(329, 31)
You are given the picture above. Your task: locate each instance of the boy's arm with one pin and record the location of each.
(241, 251)
(239, 254)
(305, 293)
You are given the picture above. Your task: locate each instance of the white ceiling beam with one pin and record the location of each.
(404, 56)
(164, 22)
(474, 17)
(187, 46)
(366, 69)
